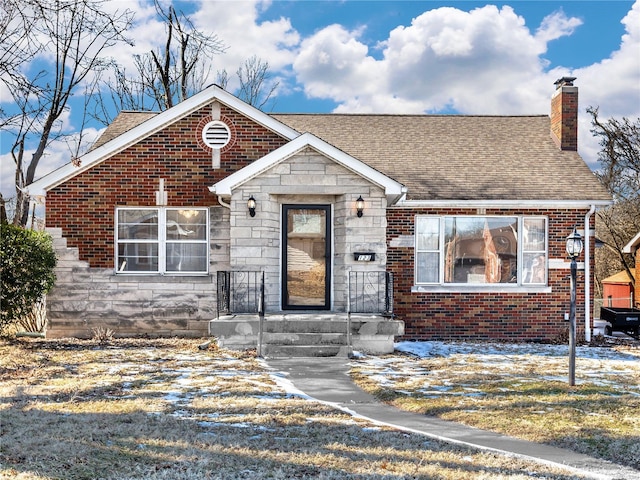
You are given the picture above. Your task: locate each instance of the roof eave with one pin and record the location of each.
(633, 245)
(153, 125)
(393, 189)
(480, 203)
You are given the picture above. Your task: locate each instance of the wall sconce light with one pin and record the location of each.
(251, 205)
(359, 205)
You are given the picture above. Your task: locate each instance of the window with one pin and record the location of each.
(506, 250)
(162, 240)
(534, 250)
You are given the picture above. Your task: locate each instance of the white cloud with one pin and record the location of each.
(237, 24)
(485, 61)
(556, 25)
(428, 65)
(333, 63)
(58, 153)
(7, 172)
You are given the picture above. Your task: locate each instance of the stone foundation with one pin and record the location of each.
(86, 299)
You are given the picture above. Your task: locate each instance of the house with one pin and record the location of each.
(633, 247)
(193, 220)
(617, 290)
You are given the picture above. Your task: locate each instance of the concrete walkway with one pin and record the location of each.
(328, 380)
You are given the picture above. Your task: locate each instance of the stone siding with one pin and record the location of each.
(86, 300)
(307, 178)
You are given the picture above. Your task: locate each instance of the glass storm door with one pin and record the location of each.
(306, 254)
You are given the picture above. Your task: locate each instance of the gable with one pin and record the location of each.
(124, 137)
(619, 278)
(633, 244)
(393, 189)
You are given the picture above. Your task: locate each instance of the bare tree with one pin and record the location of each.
(165, 76)
(619, 158)
(17, 48)
(68, 38)
(615, 227)
(255, 88)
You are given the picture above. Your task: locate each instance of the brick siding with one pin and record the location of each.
(484, 315)
(84, 206)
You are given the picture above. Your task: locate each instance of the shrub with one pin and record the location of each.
(27, 262)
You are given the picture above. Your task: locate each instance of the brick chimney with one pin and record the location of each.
(564, 114)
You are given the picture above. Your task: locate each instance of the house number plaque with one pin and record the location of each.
(364, 256)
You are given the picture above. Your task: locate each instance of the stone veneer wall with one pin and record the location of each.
(86, 299)
(307, 178)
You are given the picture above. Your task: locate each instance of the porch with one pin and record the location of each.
(367, 324)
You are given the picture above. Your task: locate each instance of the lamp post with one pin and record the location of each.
(574, 249)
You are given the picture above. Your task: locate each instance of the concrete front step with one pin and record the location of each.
(306, 326)
(304, 338)
(287, 351)
(307, 334)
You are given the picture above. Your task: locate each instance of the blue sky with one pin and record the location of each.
(467, 57)
(594, 40)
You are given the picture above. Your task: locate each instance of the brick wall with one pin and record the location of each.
(564, 117)
(532, 316)
(636, 295)
(84, 206)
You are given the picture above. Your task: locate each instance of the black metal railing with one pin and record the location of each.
(371, 292)
(240, 292)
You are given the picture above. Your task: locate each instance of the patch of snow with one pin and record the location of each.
(523, 362)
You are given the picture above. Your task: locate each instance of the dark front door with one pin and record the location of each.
(305, 254)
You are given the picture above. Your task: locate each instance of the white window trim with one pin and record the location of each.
(517, 287)
(161, 242)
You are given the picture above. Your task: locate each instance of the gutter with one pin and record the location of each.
(561, 204)
(587, 275)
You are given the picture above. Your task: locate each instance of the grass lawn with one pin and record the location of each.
(164, 409)
(522, 391)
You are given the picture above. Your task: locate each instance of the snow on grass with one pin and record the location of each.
(601, 366)
(178, 412)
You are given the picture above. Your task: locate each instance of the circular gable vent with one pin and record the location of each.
(216, 134)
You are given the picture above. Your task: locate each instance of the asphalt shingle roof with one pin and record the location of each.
(123, 122)
(454, 157)
(446, 157)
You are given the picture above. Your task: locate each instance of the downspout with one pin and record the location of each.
(223, 203)
(587, 275)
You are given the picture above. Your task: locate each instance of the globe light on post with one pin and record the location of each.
(574, 249)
